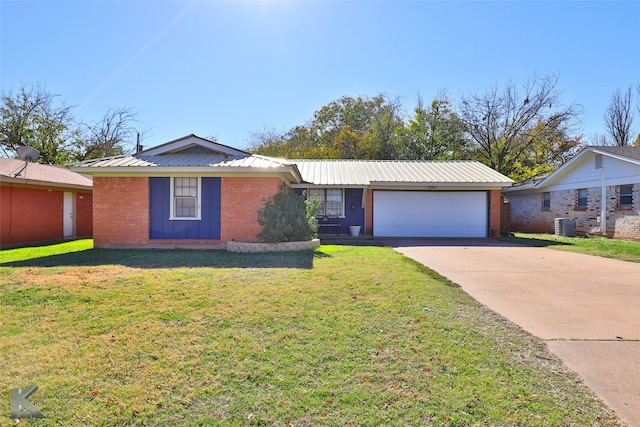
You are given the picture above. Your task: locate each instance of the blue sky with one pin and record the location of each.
(231, 68)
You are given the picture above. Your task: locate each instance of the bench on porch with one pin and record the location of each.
(326, 223)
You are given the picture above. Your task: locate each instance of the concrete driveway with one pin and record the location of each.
(586, 308)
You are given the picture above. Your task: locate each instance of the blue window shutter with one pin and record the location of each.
(160, 227)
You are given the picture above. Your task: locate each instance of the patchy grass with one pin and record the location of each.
(343, 335)
(624, 250)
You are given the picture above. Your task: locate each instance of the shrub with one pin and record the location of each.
(288, 217)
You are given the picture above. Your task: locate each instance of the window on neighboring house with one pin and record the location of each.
(582, 198)
(185, 198)
(546, 200)
(598, 159)
(625, 193)
(331, 201)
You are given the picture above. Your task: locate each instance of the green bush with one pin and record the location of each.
(288, 217)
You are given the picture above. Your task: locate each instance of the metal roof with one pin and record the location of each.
(367, 172)
(195, 154)
(183, 160)
(320, 172)
(43, 175)
(256, 161)
(191, 141)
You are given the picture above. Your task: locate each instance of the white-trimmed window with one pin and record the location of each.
(185, 197)
(625, 196)
(546, 200)
(598, 159)
(331, 201)
(582, 198)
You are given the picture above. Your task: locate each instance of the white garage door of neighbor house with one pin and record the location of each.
(430, 214)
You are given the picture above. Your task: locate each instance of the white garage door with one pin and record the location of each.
(430, 214)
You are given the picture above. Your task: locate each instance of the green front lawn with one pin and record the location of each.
(624, 250)
(341, 336)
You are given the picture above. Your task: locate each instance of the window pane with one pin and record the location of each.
(334, 202)
(582, 198)
(185, 187)
(546, 200)
(185, 207)
(185, 197)
(626, 196)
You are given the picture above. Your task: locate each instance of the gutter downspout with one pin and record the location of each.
(603, 204)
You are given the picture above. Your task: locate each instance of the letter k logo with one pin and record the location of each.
(21, 407)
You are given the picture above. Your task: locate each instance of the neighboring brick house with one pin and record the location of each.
(195, 193)
(599, 188)
(41, 203)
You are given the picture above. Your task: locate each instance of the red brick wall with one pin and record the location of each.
(368, 213)
(527, 214)
(241, 199)
(120, 211)
(84, 214)
(494, 212)
(29, 215)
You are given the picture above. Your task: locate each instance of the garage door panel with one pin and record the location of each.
(430, 214)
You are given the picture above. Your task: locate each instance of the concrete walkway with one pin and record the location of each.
(586, 308)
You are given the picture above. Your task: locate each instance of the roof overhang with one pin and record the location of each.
(44, 184)
(441, 185)
(286, 173)
(576, 160)
(192, 140)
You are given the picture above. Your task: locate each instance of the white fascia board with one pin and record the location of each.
(193, 140)
(45, 184)
(567, 166)
(308, 185)
(616, 156)
(440, 185)
(190, 171)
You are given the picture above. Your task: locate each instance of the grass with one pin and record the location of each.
(624, 250)
(341, 336)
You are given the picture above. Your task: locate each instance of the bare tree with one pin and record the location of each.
(599, 139)
(638, 98)
(115, 134)
(506, 123)
(619, 117)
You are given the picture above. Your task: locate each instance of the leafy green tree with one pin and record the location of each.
(546, 149)
(36, 118)
(348, 128)
(288, 217)
(435, 133)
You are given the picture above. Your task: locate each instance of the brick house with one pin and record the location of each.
(194, 193)
(41, 203)
(599, 188)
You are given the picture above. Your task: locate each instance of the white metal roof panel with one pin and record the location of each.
(366, 172)
(255, 161)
